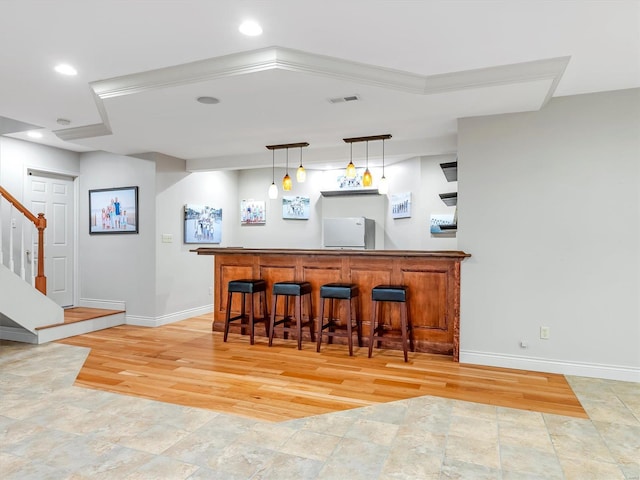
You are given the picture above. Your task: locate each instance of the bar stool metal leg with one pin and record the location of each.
(227, 317)
(320, 323)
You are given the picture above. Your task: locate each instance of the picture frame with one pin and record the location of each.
(252, 212)
(202, 224)
(401, 205)
(296, 207)
(442, 224)
(113, 211)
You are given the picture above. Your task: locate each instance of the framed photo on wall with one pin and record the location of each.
(202, 224)
(439, 223)
(401, 205)
(252, 212)
(296, 208)
(113, 210)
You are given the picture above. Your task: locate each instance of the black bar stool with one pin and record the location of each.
(248, 287)
(395, 294)
(339, 291)
(300, 291)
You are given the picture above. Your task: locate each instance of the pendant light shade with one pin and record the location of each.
(383, 186)
(351, 168)
(273, 189)
(286, 181)
(367, 179)
(301, 173)
(351, 171)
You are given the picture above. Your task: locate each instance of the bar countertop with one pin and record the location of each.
(328, 252)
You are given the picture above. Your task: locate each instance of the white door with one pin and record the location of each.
(53, 195)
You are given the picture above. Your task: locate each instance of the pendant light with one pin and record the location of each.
(383, 186)
(287, 184)
(286, 181)
(367, 179)
(273, 189)
(301, 174)
(351, 168)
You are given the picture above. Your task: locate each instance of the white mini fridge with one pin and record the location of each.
(349, 233)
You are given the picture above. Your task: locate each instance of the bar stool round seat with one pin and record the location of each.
(335, 327)
(247, 288)
(378, 327)
(299, 291)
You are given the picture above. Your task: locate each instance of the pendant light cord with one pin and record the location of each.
(367, 154)
(383, 157)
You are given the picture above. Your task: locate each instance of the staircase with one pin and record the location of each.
(26, 313)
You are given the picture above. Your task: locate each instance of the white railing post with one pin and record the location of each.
(22, 270)
(11, 228)
(32, 260)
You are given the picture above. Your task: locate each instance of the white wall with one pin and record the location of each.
(549, 208)
(278, 232)
(119, 267)
(184, 279)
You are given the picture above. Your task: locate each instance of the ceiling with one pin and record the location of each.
(415, 66)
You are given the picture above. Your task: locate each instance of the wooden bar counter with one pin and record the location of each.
(433, 278)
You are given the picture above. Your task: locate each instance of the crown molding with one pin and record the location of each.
(86, 131)
(304, 62)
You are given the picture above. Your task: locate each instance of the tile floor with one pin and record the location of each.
(50, 429)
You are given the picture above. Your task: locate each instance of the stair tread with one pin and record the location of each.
(81, 314)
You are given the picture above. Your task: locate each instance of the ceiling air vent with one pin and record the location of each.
(350, 98)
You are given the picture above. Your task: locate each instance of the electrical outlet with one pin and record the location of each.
(523, 344)
(210, 290)
(545, 332)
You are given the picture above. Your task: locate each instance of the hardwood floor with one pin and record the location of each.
(186, 364)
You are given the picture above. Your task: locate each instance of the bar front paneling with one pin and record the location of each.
(433, 279)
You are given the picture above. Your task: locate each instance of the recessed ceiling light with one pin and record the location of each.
(250, 28)
(34, 134)
(66, 69)
(208, 100)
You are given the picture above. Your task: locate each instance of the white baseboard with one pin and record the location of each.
(582, 369)
(16, 334)
(169, 318)
(106, 304)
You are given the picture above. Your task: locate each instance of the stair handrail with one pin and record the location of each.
(40, 223)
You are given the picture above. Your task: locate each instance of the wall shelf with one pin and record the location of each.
(352, 191)
(449, 199)
(449, 228)
(450, 170)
